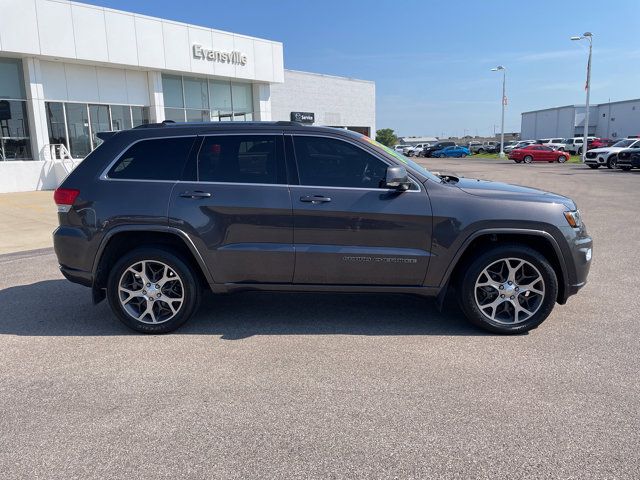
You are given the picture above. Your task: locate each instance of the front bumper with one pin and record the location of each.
(597, 160)
(578, 261)
(633, 162)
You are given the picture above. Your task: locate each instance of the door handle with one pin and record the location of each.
(315, 199)
(195, 194)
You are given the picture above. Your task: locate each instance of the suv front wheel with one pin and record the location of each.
(509, 289)
(152, 290)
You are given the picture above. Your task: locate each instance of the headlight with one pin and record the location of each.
(573, 218)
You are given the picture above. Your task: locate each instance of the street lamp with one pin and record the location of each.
(504, 98)
(585, 145)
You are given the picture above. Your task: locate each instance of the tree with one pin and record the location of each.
(386, 136)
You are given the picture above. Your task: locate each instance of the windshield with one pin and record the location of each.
(624, 143)
(398, 156)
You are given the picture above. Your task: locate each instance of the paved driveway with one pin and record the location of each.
(332, 386)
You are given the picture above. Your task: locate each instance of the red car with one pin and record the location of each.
(600, 143)
(538, 153)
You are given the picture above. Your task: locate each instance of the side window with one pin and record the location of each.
(242, 159)
(153, 159)
(330, 162)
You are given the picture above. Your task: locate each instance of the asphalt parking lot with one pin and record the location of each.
(332, 386)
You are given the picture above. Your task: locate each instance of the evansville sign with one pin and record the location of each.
(235, 58)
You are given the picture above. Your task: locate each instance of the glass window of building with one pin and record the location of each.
(15, 143)
(242, 100)
(198, 115)
(55, 123)
(221, 108)
(172, 91)
(196, 94)
(78, 128)
(11, 79)
(175, 114)
(120, 117)
(99, 116)
(195, 99)
(14, 131)
(140, 115)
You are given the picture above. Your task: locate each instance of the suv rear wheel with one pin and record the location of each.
(152, 290)
(509, 289)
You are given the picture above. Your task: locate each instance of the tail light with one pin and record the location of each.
(64, 198)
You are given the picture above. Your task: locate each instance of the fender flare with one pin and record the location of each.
(444, 283)
(109, 234)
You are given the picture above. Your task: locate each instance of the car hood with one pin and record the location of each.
(607, 149)
(506, 191)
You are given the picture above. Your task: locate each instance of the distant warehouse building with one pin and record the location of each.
(606, 120)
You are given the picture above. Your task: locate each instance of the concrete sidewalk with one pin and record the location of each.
(26, 221)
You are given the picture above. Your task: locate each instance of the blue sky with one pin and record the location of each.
(431, 60)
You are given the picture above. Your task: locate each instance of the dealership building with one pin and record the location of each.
(606, 120)
(69, 70)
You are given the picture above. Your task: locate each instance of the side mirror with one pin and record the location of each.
(397, 178)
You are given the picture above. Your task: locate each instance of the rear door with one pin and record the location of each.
(235, 206)
(348, 228)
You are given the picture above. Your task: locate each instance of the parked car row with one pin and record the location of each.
(622, 154)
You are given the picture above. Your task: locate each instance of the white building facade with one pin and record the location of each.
(69, 70)
(606, 120)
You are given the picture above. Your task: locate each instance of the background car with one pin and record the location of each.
(538, 153)
(555, 143)
(455, 151)
(474, 147)
(520, 144)
(574, 145)
(416, 150)
(629, 158)
(609, 155)
(401, 148)
(437, 146)
(601, 142)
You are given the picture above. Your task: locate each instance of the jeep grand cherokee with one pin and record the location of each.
(159, 213)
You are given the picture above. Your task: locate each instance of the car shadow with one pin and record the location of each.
(60, 308)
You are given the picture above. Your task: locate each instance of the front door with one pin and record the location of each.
(348, 228)
(236, 208)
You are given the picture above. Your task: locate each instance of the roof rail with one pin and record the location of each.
(164, 123)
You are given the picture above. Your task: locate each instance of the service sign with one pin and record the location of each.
(303, 117)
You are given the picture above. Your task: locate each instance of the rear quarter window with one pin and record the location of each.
(153, 159)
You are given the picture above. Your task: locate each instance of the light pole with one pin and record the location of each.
(585, 144)
(504, 81)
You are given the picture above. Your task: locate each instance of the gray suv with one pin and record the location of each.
(160, 213)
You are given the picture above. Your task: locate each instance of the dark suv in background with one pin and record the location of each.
(436, 146)
(159, 213)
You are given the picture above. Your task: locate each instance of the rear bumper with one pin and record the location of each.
(75, 255)
(77, 276)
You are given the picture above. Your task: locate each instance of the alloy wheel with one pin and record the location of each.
(151, 292)
(509, 291)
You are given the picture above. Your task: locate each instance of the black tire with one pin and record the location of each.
(580, 151)
(626, 169)
(612, 162)
(527, 159)
(475, 269)
(191, 289)
(562, 159)
(463, 155)
(481, 151)
(591, 165)
(518, 161)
